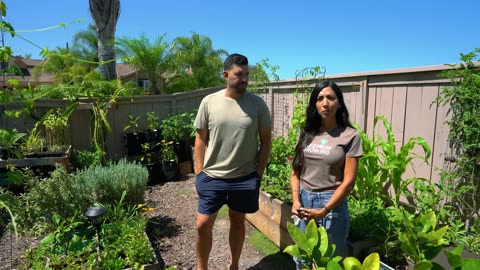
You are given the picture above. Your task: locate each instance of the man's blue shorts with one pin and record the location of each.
(240, 194)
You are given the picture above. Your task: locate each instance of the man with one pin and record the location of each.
(228, 160)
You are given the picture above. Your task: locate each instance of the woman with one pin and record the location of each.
(325, 165)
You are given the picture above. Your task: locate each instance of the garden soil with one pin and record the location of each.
(172, 232)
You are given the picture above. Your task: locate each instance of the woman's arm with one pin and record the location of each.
(295, 185)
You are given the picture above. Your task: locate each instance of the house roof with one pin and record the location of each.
(27, 66)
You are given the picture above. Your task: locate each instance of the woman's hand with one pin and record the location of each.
(296, 205)
(310, 213)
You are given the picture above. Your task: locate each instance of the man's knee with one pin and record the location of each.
(205, 223)
(236, 218)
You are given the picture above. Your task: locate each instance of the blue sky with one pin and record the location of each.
(343, 36)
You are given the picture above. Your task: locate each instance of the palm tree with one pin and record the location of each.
(105, 14)
(66, 67)
(85, 45)
(195, 55)
(58, 61)
(155, 60)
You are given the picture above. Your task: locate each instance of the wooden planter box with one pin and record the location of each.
(39, 161)
(271, 219)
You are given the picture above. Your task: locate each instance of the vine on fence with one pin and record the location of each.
(464, 97)
(277, 177)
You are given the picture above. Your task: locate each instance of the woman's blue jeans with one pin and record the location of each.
(336, 223)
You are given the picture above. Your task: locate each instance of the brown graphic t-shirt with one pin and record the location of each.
(324, 158)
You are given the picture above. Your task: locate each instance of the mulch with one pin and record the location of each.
(172, 232)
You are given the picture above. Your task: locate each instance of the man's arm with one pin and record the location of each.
(201, 140)
(265, 135)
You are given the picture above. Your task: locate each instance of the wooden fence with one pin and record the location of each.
(405, 97)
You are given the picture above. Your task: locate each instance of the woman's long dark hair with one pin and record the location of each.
(314, 121)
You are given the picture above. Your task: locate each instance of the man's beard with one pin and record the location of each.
(240, 88)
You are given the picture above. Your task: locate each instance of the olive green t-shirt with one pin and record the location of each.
(232, 125)
(324, 158)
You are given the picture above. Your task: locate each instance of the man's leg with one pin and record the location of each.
(236, 237)
(204, 226)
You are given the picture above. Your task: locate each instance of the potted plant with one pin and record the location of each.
(313, 248)
(55, 123)
(134, 139)
(152, 132)
(179, 128)
(169, 160)
(33, 144)
(150, 160)
(9, 139)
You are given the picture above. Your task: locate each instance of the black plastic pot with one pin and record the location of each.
(133, 142)
(3, 153)
(155, 174)
(153, 136)
(183, 150)
(170, 170)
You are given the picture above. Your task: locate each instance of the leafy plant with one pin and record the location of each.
(420, 240)
(34, 142)
(167, 151)
(152, 121)
(120, 211)
(473, 242)
(133, 124)
(437, 197)
(72, 245)
(147, 152)
(457, 262)
(276, 181)
(55, 123)
(8, 139)
(313, 249)
(83, 159)
(179, 127)
(377, 171)
(277, 176)
(33, 210)
(463, 97)
(362, 212)
(6, 198)
(259, 76)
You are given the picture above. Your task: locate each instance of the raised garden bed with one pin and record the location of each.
(271, 219)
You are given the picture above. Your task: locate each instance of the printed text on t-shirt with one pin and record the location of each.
(318, 149)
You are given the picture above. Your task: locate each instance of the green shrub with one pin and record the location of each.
(73, 245)
(105, 184)
(277, 176)
(83, 159)
(276, 182)
(43, 197)
(179, 127)
(362, 212)
(68, 193)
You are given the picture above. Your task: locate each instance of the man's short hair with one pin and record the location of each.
(235, 59)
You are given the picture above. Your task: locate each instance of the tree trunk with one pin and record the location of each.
(105, 15)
